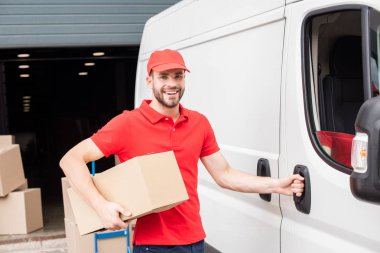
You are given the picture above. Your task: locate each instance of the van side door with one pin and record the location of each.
(324, 87)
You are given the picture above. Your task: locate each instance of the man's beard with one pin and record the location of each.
(159, 95)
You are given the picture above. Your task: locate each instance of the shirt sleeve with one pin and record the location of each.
(210, 145)
(109, 138)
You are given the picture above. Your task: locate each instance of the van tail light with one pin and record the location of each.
(359, 152)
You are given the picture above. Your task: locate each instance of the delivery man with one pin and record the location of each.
(158, 125)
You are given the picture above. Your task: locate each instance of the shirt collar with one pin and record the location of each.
(153, 116)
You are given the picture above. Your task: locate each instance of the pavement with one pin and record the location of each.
(36, 246)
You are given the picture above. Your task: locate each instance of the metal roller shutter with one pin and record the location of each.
(54, 23)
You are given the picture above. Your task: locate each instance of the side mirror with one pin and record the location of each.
(365, 154)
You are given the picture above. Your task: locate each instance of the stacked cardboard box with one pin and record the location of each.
(21, 212)
(20, 207)
(11, 169)
(77, 243)
(7, 139)
(85, 243)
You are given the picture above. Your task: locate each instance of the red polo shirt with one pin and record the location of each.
(143, 131)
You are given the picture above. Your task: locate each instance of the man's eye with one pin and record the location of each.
(163, 77)
(179, 77)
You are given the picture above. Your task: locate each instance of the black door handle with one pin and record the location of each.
(303, 203)
(263, 170)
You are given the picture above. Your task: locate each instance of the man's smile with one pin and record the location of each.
(170, 92)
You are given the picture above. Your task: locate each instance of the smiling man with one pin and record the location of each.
(159, 125)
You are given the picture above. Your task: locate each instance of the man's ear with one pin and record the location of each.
(149, 81)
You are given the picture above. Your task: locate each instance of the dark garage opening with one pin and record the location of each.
(55, 98)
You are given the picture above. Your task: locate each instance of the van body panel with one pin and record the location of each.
(337, 221)
(188, 19)
(214, 86)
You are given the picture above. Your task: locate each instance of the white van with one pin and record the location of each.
(282, 82)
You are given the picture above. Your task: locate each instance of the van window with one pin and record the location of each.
(334, 80)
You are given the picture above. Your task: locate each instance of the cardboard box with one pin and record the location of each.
(7, 139)
(24, 186)
(143, 185)
(11, 169)
(68, 211)
(85, 244)
(21, 212)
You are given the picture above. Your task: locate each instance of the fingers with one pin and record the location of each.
(117, 225)
(298, 177)
(298, 182)
(297, 186)
(112, 221)
(121, 214)
(297, 189)
(124, 212)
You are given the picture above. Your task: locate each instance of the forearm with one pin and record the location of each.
(73, 164)
(237, 180)
(77, 172)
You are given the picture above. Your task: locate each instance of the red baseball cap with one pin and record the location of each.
(164, 60)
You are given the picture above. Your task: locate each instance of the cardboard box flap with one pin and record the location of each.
(125, 182)
(163, 179)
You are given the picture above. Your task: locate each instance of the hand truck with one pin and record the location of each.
(112, 234)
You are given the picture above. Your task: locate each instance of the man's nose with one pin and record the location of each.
(172, 81)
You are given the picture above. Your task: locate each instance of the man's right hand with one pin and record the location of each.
(110, 212)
